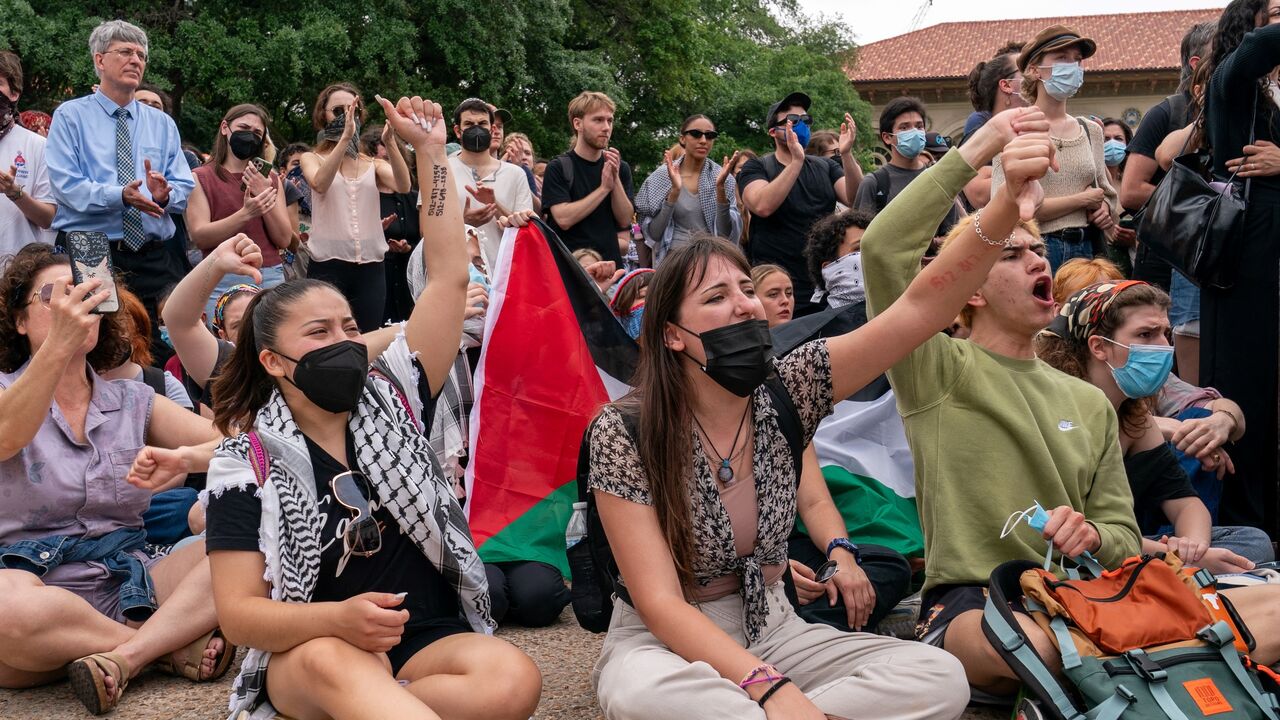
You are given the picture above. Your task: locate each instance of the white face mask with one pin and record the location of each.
(843, 279)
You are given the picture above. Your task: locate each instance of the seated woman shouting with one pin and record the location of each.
(76, 577)
(695, 478)
(339, 553)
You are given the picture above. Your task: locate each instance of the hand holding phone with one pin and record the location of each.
(91, 260)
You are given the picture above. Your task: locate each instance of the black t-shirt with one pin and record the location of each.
(233, 518)
(780, 238)
(598, 230)
(1155, 476)
(1155, 127)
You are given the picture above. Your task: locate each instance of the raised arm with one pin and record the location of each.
(933, 299)
(764, 197)
(393, 173)
(196, 346)
(434, 330)
(848, 190)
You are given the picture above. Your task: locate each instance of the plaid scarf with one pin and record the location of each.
(653, 193)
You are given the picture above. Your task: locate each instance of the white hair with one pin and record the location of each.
(116, 31)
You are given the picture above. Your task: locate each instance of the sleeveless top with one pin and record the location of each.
(346, 220)
(226, 196)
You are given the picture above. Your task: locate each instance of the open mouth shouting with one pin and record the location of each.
(1042, 291)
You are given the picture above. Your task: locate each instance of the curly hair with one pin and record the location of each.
(16, 288)
(1237, 19)
(1072, 356)
(825, 237)
(139, 326)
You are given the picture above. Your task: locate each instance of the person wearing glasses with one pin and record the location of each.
(117, 167)
(339, 553)
(690, 194)
(788, 191)
(83, 594)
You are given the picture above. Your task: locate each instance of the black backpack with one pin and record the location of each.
(591, 565)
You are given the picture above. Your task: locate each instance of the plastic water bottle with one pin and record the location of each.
(577, 529)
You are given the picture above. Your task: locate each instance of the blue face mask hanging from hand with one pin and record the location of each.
(1144, 373)
(910, 142)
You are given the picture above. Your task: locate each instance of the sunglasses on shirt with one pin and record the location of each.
(795, 120)
(363, 536)
(699, 134)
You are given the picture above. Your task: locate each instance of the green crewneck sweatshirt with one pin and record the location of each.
(990, 434)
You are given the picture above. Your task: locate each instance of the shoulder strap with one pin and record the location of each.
(261, 461)
(788, 421)
(566, 169)
(154, 377)
(1089, 139)
(882, 187)
(772, 168)
(1177, 109)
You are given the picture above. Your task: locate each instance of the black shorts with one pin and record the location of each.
(944, 603)
(414, 639)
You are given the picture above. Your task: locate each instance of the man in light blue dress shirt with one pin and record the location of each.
(116, 166)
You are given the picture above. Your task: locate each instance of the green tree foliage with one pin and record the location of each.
(661, 60)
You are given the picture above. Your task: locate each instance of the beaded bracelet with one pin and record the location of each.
(771, 674)
(769, 693)
(977, 228)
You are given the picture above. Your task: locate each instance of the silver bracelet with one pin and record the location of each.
(977, 228)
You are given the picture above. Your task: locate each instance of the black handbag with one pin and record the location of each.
(1191, 221)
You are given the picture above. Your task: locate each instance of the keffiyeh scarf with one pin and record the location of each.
(399, 462)
(653, 193)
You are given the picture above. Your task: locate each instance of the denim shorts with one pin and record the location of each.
(1184, 312)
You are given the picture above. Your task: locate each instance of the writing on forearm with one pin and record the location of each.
(435, 204)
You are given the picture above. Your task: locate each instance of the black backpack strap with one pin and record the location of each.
(566, 169)
(1178, 110)
(154, 377)
(788, 420)
(882, 187)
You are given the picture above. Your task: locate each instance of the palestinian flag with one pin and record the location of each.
(862, 446)
(553, 353)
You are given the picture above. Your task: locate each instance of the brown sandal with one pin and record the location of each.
(88, 680)
(193, 656)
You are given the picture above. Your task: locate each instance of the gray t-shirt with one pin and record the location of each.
(872, 198)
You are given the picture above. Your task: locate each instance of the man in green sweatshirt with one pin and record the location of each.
(992, 429)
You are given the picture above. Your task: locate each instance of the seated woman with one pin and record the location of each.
(338, 552)
(777, 296)
(1115, 336)
(705, 629)
(81, 594)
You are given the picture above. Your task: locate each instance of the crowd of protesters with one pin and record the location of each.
(261, 448)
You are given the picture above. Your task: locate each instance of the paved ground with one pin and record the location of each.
(564, 652)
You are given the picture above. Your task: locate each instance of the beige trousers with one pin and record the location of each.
(847, 675)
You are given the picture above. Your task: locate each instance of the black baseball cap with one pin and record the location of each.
(795, 98)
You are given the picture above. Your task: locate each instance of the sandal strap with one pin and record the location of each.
(106, 661)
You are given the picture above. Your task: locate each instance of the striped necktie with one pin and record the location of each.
(133, 235)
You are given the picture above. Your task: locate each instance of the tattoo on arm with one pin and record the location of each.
(435, 204)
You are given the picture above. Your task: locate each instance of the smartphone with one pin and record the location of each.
(91, 258)
(263, 166)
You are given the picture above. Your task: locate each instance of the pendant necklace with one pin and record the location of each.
(725, 472)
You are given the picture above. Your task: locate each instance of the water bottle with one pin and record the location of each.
(577, 529)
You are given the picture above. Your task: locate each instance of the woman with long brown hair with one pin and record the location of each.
(237, 192)
(695, 478)
(347, 244)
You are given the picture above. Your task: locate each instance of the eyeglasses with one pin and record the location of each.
(128, 53)
(795, 120)
(45, 294)
(363, 536)
(699, 134)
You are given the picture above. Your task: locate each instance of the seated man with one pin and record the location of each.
(992, 429)
(80, 592)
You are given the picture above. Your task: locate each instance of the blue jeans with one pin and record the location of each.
(1058, 250)
(271, 277)
(1185, 307)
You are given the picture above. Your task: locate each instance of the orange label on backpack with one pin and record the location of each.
(1207, 696)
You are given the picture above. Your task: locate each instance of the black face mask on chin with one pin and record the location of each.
(739, 356)
(332, 376)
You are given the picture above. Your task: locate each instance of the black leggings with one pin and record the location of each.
(527, 593)
(363, 284)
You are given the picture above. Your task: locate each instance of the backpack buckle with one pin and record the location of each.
(1146, 668)
(1217, 634)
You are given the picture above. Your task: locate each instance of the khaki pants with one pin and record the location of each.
(847, 675)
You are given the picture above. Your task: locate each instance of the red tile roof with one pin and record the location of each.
(1132, 41)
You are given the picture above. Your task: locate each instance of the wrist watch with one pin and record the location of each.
(844, 543)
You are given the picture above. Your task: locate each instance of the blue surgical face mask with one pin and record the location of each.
(164, 336)
(1146, 370)
(910, 142)
(1064, 80)
(1113, 152)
